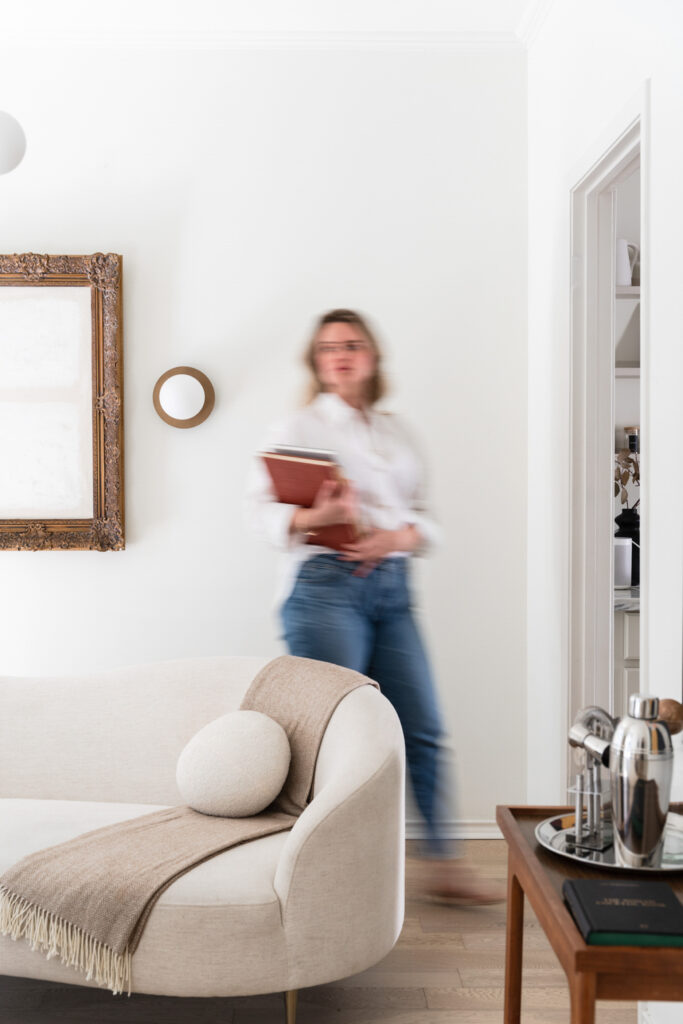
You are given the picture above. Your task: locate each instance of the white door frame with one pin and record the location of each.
(591, 616)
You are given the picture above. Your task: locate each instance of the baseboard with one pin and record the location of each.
(460, 829)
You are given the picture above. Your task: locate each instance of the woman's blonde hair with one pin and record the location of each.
(376, 386)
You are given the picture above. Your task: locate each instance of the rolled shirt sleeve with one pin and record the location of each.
(417, 514)
(431, 534)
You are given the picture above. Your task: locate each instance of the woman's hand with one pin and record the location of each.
(377, 544)
(334, 503)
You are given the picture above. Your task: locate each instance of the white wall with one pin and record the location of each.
(585, 65)
(248, 190)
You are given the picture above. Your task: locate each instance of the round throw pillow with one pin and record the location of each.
(235, 766)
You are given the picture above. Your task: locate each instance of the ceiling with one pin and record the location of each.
(147, 21)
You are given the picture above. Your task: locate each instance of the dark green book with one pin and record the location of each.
(625, 913)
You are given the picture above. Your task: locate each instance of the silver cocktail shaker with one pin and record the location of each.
(641, 767)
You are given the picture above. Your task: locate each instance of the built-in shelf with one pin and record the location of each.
(628, 291)
(627, 600)
(626, 371)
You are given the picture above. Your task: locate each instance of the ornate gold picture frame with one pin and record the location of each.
(61, 403)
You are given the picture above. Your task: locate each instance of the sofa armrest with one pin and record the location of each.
(340, 877)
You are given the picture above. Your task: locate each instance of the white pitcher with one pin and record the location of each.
(623, 551)
(627, 254)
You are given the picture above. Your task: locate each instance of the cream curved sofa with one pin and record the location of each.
(300, 908)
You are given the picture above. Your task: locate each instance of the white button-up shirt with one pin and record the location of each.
(375, 452)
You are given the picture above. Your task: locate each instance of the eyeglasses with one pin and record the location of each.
(328, 347)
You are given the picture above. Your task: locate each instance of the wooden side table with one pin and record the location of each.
(593, 972)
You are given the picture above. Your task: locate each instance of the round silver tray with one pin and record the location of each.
(553, 834)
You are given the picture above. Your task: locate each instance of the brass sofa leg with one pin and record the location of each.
(290, 1005)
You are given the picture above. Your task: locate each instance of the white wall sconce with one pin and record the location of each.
(12, 143)
(183, 396)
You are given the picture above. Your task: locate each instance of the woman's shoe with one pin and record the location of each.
(453, 883)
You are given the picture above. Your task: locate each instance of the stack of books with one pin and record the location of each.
(297, 475)
(625, 913)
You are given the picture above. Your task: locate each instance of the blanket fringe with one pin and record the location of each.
(54, 936)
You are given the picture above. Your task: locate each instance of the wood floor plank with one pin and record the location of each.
(402, 979)
(413, 935)
(35, 1002)
(534, 959)
(339, 998)
(469, 919)
(481, 998)
(377, 1017)
(494, 940)
(369, 1016)
(477, 977)
(409, 959)
(552, 998)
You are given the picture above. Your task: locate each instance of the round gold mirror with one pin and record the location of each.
(183, 396)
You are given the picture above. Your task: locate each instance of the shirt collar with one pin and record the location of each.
(336, 409)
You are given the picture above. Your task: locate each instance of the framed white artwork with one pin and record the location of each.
(61, 402)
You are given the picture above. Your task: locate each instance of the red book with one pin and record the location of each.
(297, 475)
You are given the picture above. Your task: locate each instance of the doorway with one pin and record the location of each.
(608, 345)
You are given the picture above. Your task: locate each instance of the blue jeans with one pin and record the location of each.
(366, 623)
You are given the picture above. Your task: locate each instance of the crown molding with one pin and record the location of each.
(532, 20)
(206, 39)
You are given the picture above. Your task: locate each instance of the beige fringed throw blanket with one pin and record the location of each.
(87, 900)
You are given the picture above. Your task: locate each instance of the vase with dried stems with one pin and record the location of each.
(626, 473)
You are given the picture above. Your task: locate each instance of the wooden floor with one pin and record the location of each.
(447, 968)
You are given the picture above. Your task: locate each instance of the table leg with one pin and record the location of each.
(513, 948)
(582, 997)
